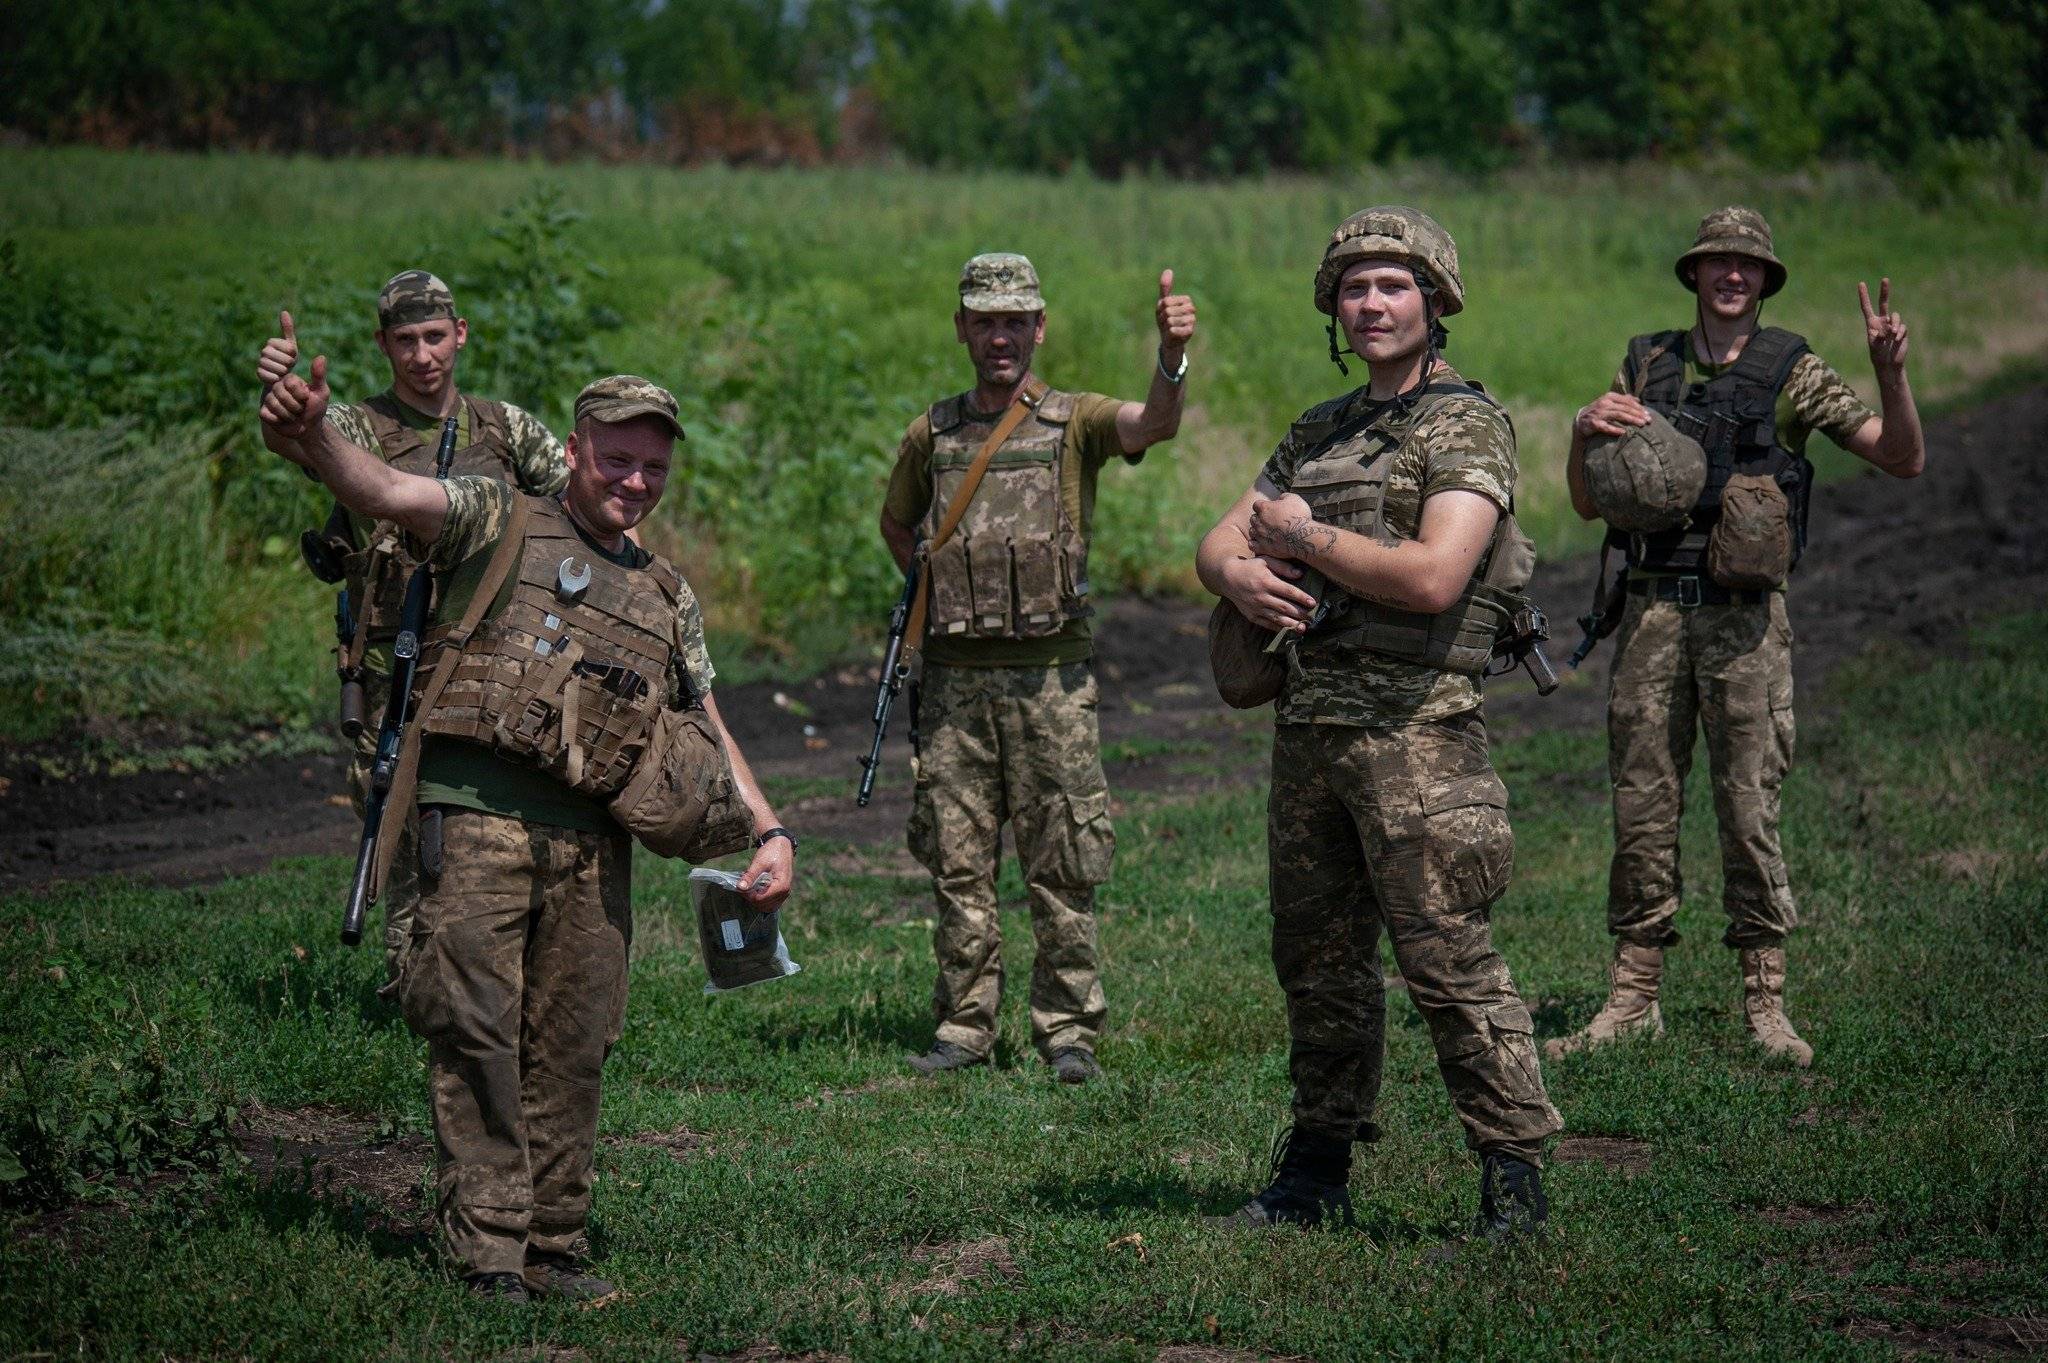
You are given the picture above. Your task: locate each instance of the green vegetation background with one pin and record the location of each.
(767, 1173)
(148, 563)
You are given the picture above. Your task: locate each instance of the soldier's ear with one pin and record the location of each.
(461, 332)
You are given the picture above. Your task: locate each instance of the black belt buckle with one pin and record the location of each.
(1688, 593)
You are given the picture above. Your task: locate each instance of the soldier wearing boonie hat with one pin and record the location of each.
(993, 495)
(1369, 547)
(1703, 640)
(558, 646)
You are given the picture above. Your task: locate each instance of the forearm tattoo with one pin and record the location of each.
(1303, 538)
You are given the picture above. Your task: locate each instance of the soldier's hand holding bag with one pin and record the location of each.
(681, 799)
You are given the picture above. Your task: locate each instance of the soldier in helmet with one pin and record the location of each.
(1363, 541)
(422, 338)
(1704, 642)
(553, 642)
(993, 494)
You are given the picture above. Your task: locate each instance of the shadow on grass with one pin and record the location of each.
(308, 1199)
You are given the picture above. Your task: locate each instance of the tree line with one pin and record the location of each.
(1190, 87)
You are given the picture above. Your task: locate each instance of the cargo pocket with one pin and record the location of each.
(1038, 586)
(952, 603)
(1468, 847)
(988, 565)
(1087, 845)
(922, 833)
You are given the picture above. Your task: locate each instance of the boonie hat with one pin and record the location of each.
(1000, 281)
(413, 296)
(1733, 231)
(625, 396)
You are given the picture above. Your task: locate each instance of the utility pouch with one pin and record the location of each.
(988, 571)
(1750, 548)
(952, 596)
(430, 842)
(681, 800)
(1037, 564)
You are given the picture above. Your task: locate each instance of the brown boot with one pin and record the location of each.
(1631, 1004)
(1763, 1005)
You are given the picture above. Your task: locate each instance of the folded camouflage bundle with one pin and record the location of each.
(681, 800)
(742, 945)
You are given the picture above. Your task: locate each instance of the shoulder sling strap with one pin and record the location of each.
(1026, 400)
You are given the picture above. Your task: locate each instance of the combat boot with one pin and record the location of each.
(1763, 1005)
(943, 1056)
(500, 1289)
(1511, 1200)
(1075, 1065)
(1633, 978)
(1308, 1174)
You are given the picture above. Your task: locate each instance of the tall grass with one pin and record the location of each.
(802, 317)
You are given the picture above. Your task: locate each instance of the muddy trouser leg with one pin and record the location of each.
(575, 1008)
(1326, 936)
(1059, 802)
(463, 991)
(1745, 670)
(1433, 816)
(1652, 719)
(956, 817)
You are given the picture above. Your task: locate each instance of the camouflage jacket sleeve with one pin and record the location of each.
(696, 658)
(479, 508)
(1821, 400)
(1469, 447)
(537, 459)
(910, 481)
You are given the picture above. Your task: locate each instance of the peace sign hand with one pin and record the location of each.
(1884, 329)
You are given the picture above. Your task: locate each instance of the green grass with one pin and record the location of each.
(1897, 1182)
(803, 319)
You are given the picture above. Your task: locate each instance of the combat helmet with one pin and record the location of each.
(1647, 480)
(1392, 232)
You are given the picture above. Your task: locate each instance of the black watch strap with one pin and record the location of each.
(776, 832)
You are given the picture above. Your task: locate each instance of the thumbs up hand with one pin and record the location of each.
(294, 406)
(280, 353)
(1176, 316)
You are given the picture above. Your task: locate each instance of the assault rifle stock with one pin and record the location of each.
(889, 685)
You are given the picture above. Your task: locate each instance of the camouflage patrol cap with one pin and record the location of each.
(1392, 232)
(625, 396)
(1733, 231)
(1000, 281)
(413, 296)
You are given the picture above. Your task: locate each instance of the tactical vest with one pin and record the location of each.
(1017, 568)
(569, 675)
(377, 572)
(1734, 416)
(1344, 482)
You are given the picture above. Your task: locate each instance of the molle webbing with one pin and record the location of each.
(1734, 417)
(570, 686)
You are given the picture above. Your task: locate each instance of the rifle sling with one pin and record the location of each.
(1026, 399)
(398, 802)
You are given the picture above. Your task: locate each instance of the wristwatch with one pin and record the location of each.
(777, 832)
(1173, 376)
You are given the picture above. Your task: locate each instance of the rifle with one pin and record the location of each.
(1522, 645)
(894, 672)
(1610, 600)
(405, 658)
(351, 675)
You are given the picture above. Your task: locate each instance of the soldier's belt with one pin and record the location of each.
(1692, 591)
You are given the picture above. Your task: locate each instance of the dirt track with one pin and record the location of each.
(1912, 562)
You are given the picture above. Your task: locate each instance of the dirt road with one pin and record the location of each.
(1913, 562)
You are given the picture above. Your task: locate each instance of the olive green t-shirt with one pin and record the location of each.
(471, 776)
(1091, 442)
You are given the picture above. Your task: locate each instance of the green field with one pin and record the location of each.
(767, 1176)
(802, 319)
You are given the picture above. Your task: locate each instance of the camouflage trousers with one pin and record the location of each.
(516, 978)
(401, 890)
(1404, 830)
(1018, 744)
(1726, 669)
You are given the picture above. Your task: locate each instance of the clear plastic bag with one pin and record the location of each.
(741, 944)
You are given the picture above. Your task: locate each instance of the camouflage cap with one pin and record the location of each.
(1392, 232)
(1000, 281)
(413, 296)
(1733, 231)
(623, 397)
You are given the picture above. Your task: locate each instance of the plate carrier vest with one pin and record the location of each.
(1017, 567)
(1734, 416)
(1344, 482)
(569, 675)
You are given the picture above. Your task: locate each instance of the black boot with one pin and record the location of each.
(1309, 1171)
(1511, 1200)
